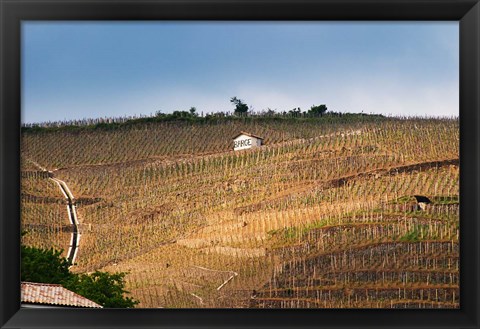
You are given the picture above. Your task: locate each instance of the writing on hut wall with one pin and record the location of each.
(242, 143)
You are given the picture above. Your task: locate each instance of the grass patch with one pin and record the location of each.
(403, 199)
(415, 235)
(446, 200)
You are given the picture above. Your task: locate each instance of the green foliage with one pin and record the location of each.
(293, 233)
(296, 112)
(412, 236)
(48, 266)
(290, 233)
(416, 234)
(103, 288)
(182, 114)
(240, 107)
(317, 111)
(42, 265)
(402, 200)
(446, 200)
(218, 117)
(193, 111)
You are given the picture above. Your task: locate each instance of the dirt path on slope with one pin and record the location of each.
(340, 181)
(188, 158)
(396, 169)
(213, 238)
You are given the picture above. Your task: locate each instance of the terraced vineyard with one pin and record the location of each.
(43, 211)
(323, 215)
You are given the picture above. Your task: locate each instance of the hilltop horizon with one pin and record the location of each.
(177, 114)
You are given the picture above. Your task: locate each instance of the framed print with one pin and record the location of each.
(239, 164)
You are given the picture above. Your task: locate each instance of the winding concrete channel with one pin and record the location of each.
(72, 216)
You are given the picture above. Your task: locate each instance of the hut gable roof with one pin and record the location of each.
(247, 134)
(53, 294)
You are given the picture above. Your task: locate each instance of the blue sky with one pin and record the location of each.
(74, 70)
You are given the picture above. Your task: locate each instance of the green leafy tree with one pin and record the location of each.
(317, 111)
(103, 288)
(43, 265)
(193, 111)
(240, 107)
(48, 266)
(295, 112)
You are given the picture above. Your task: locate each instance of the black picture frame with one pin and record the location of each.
(13, 12)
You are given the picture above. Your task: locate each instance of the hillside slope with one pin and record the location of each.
(321, 216)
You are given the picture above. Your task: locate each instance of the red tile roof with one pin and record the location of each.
(248, 134)
(53, 294)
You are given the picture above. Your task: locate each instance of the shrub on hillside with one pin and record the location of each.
(48, 266)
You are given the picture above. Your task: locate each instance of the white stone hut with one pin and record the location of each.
(246, 140)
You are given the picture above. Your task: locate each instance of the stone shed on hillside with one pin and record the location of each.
(245, 140)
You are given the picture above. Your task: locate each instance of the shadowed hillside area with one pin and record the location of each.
(330, 212)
